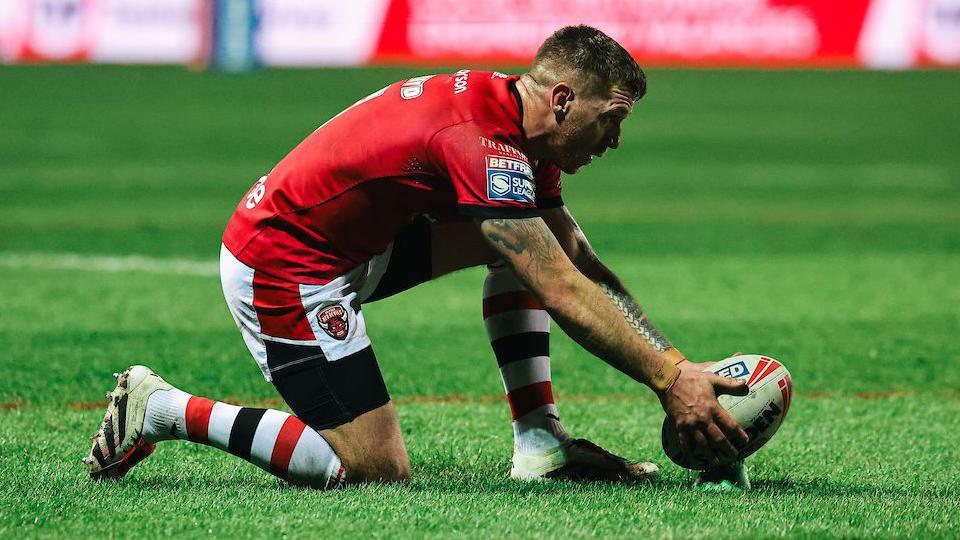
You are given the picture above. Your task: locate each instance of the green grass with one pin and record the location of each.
(813, 216)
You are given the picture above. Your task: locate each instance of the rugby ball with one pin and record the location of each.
(760, 412)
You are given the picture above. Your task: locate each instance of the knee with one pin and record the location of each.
(397, 470)
(383, 469)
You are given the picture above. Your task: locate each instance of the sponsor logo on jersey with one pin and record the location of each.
(509, 179)
(736, 371)
(460, 81)
(510, 151)
(334, 322)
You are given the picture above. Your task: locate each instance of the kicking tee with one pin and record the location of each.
(445, 146)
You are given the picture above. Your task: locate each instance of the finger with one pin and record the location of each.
(694, 455)
(731, 428)
(729, 385)
(704, 453)
(738, 353)
(721, 445)
(686, 447)
(684, 442)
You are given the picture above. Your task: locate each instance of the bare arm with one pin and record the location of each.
(690, 401)
(578, 305)
(578, 249)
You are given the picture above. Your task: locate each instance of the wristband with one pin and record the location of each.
(674, 356)
(663, 379)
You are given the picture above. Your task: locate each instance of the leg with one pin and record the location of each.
(372, 447)
(311, 342)
(346, 401)
(519, 332)
(145, 409)
(423, 251)
(369, 448)
(276, 441)
(345, 430)
(518, 329)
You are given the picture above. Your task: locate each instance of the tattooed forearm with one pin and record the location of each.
(636, 317)
(519, 236)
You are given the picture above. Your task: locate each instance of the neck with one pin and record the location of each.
(536, 112)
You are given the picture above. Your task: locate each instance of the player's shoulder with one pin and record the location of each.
(491, 95)
(482, 97)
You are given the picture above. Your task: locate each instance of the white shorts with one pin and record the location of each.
(327, 316)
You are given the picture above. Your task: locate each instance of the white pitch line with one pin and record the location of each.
(108, 263)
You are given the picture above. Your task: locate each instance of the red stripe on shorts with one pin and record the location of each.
(280, 308)
(527, 398)
(509, 301)
(198, 418)
(286, 442)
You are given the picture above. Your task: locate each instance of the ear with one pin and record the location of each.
(560, 97)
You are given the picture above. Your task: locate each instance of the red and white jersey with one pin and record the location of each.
(441, 145)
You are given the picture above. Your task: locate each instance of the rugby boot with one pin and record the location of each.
(118, 444)
(728, 478)
(581, 460)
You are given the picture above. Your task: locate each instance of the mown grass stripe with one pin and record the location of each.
(108, 263)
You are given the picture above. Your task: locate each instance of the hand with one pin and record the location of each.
(704, 428)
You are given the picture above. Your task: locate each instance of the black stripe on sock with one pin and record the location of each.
(520, 346)
(244, 428)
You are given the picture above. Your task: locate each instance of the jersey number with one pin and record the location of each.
(256, 194)
(412, 88)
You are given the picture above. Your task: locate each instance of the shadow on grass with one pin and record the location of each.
(823, 487)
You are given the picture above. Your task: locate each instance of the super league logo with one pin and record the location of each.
(333, 320)
(509, 179)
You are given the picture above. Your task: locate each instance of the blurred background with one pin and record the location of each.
(237, 34)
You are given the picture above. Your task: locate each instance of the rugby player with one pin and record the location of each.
(422, 178)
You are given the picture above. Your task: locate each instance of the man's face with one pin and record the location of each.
(589, 127)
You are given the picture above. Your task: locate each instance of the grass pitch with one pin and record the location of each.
(813, 216)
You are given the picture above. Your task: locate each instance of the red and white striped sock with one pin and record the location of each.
(519, 332)
(275, 441)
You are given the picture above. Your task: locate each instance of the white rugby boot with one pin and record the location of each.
(118, 445)
(727, 478)
(580, 459)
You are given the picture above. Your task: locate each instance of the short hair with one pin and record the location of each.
(594, 54)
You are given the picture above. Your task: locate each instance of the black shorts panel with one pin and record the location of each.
(325, 394)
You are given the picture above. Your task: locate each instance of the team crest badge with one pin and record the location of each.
(334, 322)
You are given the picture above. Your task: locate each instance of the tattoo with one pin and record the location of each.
(512, 246)
(521, 236)
(635, 316)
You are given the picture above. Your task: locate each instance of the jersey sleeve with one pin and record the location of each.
(547, 177)
(491, 177)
